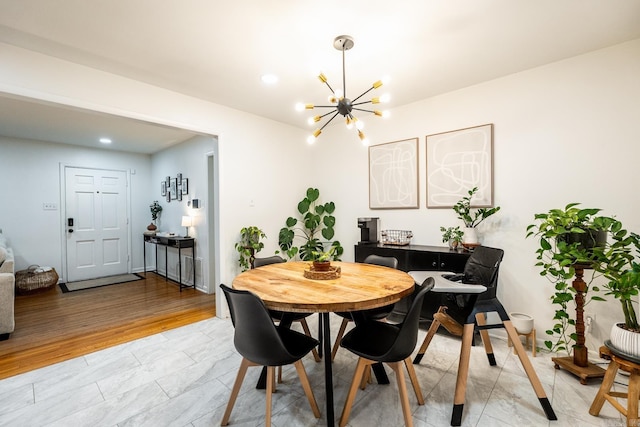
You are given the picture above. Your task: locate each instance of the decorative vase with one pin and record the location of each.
(624, 340)
(470, 236)
(522, 322)
(152, 227)
(321, 265)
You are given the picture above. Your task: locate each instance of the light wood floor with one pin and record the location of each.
(53, 326)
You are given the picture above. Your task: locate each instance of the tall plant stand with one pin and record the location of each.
(579, 364)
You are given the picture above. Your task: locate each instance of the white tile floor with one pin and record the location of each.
(183, 377)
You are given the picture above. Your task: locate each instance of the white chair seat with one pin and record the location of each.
(443, 285)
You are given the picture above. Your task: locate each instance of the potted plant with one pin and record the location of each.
(155, 209)
(472, 217)
(452, 236)
(567, 238)
(249, 245)
(620, 267)
(316, 218)
(322, 260)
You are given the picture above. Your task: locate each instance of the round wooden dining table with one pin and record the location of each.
(284, 287)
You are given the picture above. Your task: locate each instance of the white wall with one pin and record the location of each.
(31, 173)
(565, 132)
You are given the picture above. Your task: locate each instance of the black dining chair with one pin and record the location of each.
(379, 313)
(382, 342)
(284, 318)
(262, 343)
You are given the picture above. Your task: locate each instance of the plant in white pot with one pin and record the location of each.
(472, 217)
(620, 266)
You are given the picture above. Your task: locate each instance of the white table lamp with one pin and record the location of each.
(187, 222)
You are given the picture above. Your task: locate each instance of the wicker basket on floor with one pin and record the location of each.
(31, 281)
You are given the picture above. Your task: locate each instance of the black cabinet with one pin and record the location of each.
(418, 257)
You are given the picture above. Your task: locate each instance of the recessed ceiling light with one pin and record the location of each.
(105, 140)
(269, 79)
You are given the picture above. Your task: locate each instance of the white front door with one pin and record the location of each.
(96, 223)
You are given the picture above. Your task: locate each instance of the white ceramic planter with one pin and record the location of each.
(470, 236)
(626, 341)
(522, 322)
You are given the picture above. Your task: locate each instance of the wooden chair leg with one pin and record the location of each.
(435, 324)
(463, 373)
(414, 380)
(481, 319)
(271, 375)
(279, 375)
(336, 344)
(348, 403)
(633, 395)
(235, 390)
(402, 390)
(304, 379)
(605, 387)
(366, 378)
(307, 331)
(530, 371)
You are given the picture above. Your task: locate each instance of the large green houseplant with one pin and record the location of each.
(249, 245)
(316, 220)
(569, 237)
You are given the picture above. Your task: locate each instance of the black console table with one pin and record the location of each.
(418, 257)
(171, 242)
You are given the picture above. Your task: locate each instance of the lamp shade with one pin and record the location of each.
(187, 221)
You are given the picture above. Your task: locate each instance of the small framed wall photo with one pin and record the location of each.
(393, 175)
(184, 187)
(173, 188)
(163, 188)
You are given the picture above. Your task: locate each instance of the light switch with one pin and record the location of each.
(50, 206)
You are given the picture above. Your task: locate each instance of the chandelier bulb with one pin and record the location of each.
(333, 99)
(338, 93)
(359, 125)
(312, 120)
(299, 106)
(349, 123)
(385, 98)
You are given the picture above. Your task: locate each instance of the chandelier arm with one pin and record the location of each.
(362, 109)
(360, 103)
(324, 106)
(325, 115)
(363, 93)
(330, 88)
(329, 121)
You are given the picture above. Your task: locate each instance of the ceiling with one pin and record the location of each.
(218, 50)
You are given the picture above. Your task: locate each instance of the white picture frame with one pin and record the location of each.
(458, 161)
(393, 175)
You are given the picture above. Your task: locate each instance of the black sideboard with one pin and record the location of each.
(418, 257)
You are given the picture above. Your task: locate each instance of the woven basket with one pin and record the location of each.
(29, 281)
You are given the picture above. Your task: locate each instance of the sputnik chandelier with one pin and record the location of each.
(340, 104)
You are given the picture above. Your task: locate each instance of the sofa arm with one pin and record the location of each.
(7, 298)
(7, 266)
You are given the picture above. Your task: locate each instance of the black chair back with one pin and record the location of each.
(385, 261)
(255, 337)
(259, 262)
(407, 337)
(482, 268)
